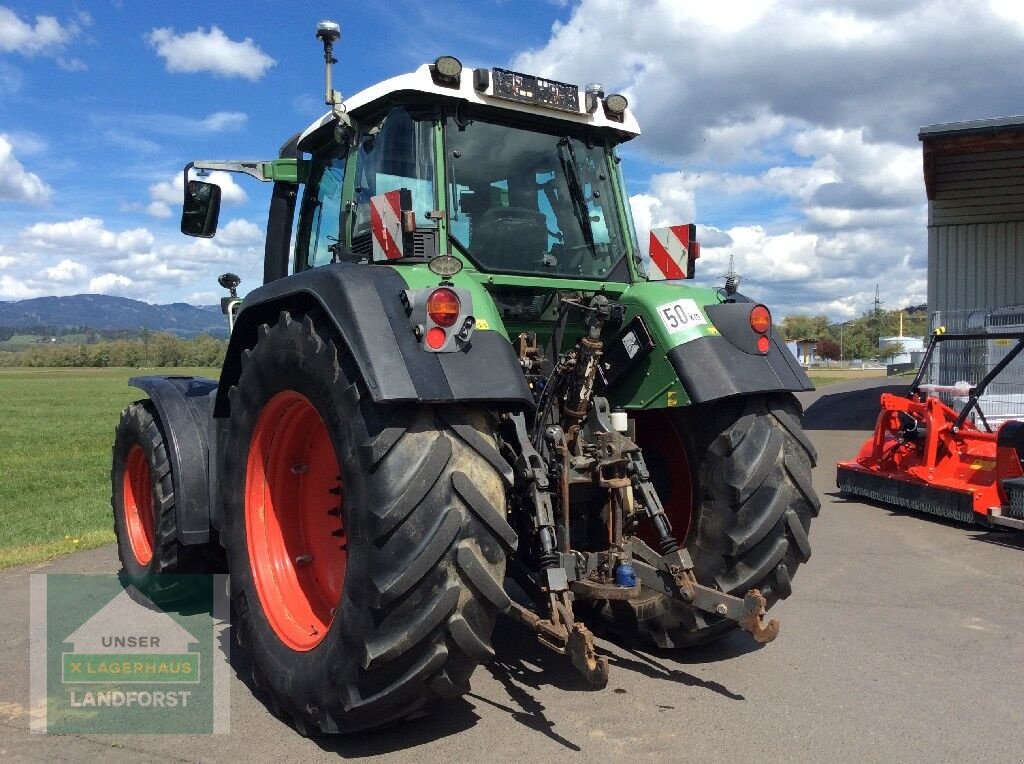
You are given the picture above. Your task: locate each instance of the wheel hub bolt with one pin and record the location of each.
(721, 609)
(300, 469)
(304, 559)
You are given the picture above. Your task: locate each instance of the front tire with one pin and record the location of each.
(735, 477)
(353, 638)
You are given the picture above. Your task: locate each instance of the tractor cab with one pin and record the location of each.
(510, 173)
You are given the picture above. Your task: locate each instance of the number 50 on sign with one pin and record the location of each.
(680, 314)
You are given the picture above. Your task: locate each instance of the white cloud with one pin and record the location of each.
(84, 256)
(26, 142)
(213, 51)
(17, 183)
(23, 37)
(66, 271)
(1011, 10)
(224, 121)
(85, 234)
(159, 209)
(203, 298)
(110, 283)
(239, 232)
(12, 288)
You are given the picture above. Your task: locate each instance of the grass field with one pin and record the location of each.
(56, 430)
(820, 380)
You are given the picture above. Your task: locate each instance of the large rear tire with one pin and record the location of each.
(735, 476)
(145, 517)
(366, 543)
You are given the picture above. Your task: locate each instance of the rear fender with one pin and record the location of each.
(185, 405)
(363, 303)
(713, 367)
(704, 350)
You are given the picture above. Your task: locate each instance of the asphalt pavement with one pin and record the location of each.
(903, 641)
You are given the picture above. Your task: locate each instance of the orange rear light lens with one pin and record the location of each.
(436, 338)
(763, 344)
(443, 307)
(760, 319)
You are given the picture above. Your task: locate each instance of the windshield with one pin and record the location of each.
(531, 202)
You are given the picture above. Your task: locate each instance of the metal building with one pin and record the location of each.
(974, 177)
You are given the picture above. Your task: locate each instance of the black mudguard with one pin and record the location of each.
(712, 367)
(362, 302)
(185, 407)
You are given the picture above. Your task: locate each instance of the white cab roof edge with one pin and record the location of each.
(420, 81)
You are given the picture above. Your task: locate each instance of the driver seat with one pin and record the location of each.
(510, 238)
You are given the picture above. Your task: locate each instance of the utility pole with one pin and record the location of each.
(877, 318)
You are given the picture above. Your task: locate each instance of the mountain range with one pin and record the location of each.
(100, 311)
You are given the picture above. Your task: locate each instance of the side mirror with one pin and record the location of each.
(201, 209)
(674, 251)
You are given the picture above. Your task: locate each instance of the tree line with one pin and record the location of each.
(857, 338)
(91, 335)
(152, 349)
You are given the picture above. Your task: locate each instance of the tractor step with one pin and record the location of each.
(944, 502)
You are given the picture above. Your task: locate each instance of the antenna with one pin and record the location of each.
(732, 278)
(329, 32)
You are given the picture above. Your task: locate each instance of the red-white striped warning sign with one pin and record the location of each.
(386, 225)
(670, 251)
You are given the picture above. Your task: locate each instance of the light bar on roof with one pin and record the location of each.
(525, 88)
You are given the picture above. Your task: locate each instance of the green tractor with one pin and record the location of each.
(455, 376)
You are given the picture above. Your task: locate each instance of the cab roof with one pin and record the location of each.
(421, 81)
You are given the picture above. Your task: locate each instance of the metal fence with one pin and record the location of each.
(957, 365)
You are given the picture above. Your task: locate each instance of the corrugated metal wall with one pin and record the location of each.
(976, 231)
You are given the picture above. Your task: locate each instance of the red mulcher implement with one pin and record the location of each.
(926, 456)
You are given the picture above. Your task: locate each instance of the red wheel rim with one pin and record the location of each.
(294, 523)
(137, 496)
(665, 455)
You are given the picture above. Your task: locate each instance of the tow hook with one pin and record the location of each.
(748, 612)
(566, 636)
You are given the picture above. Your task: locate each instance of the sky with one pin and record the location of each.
(787, 130)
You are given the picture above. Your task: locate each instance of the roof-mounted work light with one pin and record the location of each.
(616, 103)
(446, 71)
(594, 93)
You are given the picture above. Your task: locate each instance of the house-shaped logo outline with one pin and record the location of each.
(125, 615)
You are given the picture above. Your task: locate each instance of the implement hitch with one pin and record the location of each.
(575, 442)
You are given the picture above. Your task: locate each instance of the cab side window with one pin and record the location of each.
(395, 153)
(321, 211)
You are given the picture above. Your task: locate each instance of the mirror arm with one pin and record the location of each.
(261, 170)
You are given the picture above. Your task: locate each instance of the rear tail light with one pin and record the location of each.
(760, 319)
(436, 338)
(761, 322)
(443, 309)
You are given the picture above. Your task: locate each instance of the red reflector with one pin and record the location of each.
(436, 338)
(760, 319)
(443, 307)
(763, 344)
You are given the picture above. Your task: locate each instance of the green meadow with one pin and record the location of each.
(56, 430)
